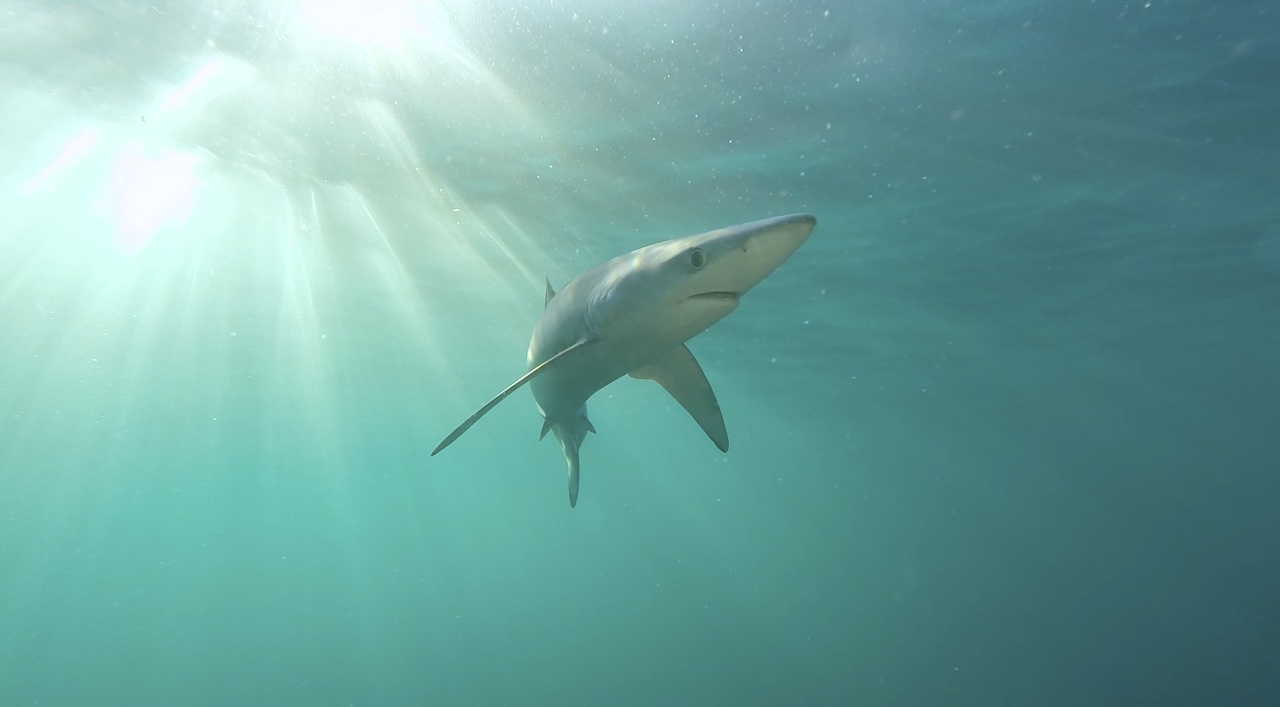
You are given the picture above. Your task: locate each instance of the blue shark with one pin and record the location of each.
(632, 315)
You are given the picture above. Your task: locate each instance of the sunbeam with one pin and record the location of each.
(362, 135)
(73, 151)
(379, 23)
(147, 192)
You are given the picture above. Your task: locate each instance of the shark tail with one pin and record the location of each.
(572, 456)
(570, 434)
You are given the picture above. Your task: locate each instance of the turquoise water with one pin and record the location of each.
(1004, 431)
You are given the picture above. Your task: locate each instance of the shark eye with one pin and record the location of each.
(697, 258)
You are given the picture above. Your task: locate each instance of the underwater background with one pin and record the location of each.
(1005, 431)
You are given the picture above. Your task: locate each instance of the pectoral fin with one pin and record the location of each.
(679, 373)
(466, 424)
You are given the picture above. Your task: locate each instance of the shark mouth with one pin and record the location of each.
(718, 295)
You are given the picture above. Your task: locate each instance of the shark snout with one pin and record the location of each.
(748, 253)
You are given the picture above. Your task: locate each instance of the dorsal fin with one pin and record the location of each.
(551, 292)
(466, 424)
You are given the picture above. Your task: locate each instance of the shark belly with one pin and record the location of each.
(563, 393)
(562, 399)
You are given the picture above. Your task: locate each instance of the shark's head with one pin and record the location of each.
(680, 287)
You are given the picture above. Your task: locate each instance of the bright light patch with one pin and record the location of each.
(199, 81)
(71, 153)
(368, 22)
(146, 193)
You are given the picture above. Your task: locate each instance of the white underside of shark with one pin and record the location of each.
(633, 315)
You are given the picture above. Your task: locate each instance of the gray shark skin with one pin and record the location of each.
(633, 315)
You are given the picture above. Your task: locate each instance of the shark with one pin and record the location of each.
(633, 315)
